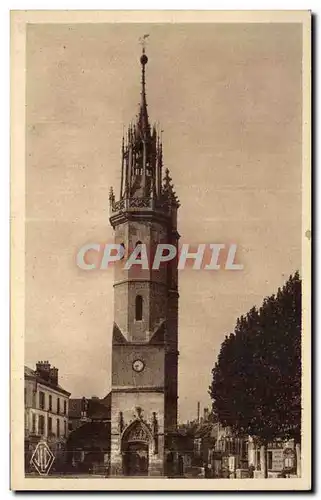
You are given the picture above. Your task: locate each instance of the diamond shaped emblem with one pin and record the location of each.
(42, 458)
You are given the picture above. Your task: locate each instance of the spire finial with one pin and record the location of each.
(143, 60)
(143, 115)
(142, 41)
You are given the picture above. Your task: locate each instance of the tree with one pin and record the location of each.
(256, 385)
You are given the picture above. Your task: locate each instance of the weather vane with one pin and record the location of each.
(142, 41)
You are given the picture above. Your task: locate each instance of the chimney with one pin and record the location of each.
(43, 369)
(53, 375)
(206, 412)
(198, 411)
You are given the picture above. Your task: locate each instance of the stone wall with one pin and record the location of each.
(128, 408)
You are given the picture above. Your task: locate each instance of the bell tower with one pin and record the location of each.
(145, 330)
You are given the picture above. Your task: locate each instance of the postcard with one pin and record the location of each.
(161, 250)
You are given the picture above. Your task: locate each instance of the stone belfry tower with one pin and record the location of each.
(145, 331)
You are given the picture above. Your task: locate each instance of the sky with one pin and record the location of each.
(228, 99)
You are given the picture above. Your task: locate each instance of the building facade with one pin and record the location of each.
(88, 444)
(145, 331)
(282, 459)
(46, 411)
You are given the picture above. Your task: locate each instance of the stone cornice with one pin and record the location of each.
(138, 389)
(136, 280)
(139, 215)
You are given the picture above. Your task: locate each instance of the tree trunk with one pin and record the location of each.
(298, 458)
(263, 459)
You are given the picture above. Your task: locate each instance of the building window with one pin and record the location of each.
(50, 403)
(41, 425)
(65, 428)
(139, 308)
(58, 405)
(65, 407)
(41, 400)
(269, 458)
(49, 425)
(33, 423)
(70, 426)
(25, 396)
(58, 427)
(245, 450)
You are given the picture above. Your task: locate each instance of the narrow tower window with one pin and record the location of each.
(123, 245)
(139, 254)
(139, 308)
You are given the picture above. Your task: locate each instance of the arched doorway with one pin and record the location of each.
(135, 449)
(135, 459)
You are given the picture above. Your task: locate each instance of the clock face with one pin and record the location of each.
(138, 365)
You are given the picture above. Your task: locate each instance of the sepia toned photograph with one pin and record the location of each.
(160, 250)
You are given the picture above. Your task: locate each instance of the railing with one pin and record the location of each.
(140, 203)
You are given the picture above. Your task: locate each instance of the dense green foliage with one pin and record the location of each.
(256, 385)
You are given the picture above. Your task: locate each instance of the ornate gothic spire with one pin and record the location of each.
(143, 124)
(142, 161)
(141, 164)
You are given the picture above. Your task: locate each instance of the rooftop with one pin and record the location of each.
(97, 409)
(32, 374)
